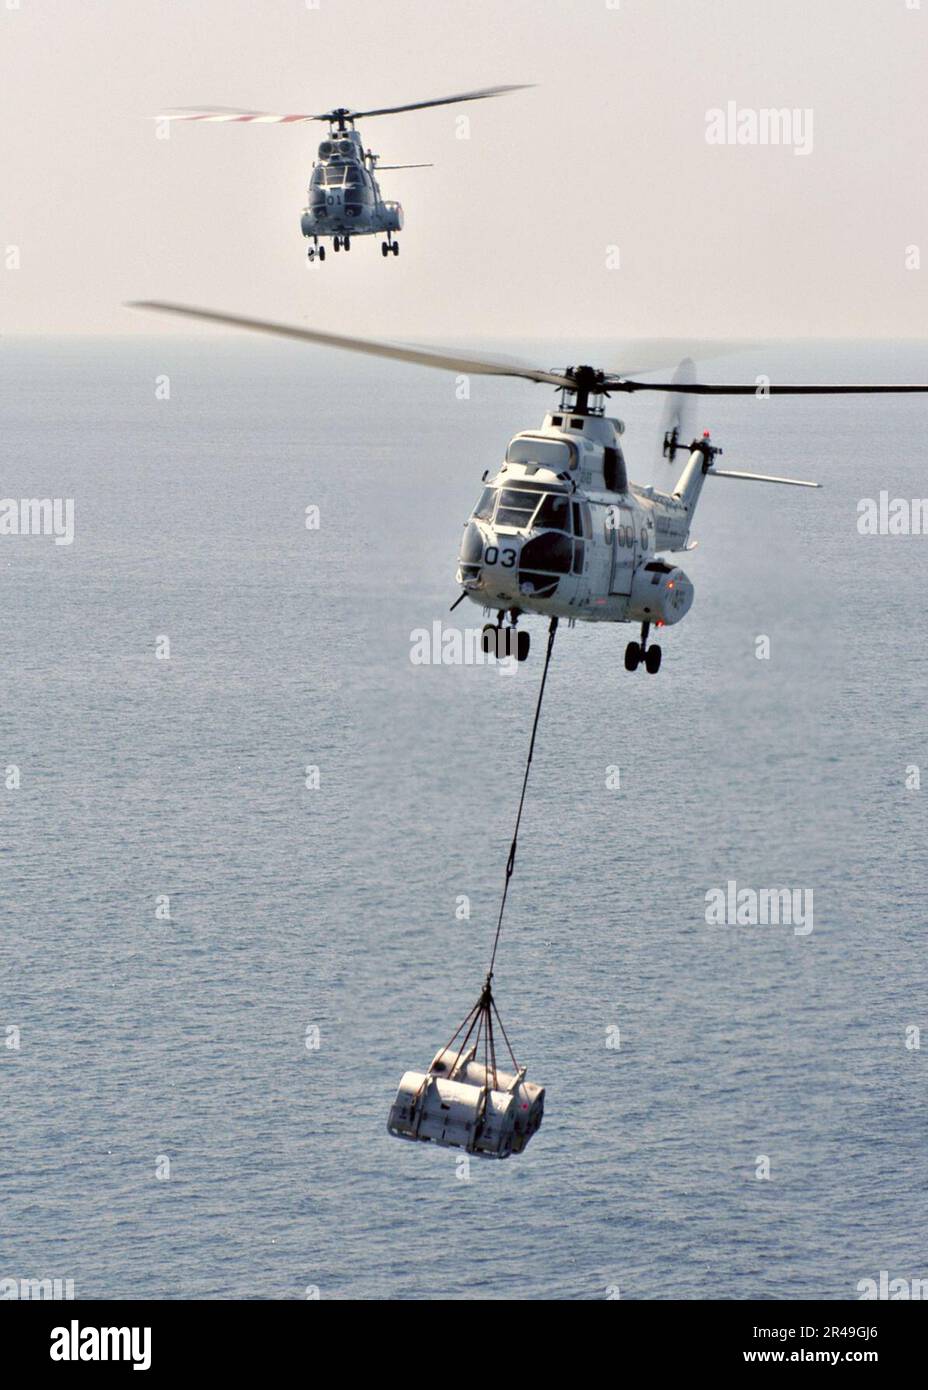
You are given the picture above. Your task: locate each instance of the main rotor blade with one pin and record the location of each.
(405, 166)
(706, 389)
(477, 95)
(231, 113)
(758, 477)
(237, 113)
(450, 362)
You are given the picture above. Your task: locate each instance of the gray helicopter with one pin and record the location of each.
(344, 195)
(560, 529)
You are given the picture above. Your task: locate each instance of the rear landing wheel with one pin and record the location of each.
(384, 249)
(347, 243)
(652, 660)
(632, 656)
(488, 637)
(523, 642)
(322, 253)
(336, 243)
(396, 248)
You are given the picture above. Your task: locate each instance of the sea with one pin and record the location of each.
(251, 852)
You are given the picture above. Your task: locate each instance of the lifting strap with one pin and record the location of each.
(482, 1014)
(511, 861)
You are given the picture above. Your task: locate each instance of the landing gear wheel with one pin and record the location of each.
(396, 248)
(347, 243)
(652, 660)
(311, 254)
(322, 253)
(523, 642)
(336, 243)
(488, 637)
(384, 249)
(632, 656)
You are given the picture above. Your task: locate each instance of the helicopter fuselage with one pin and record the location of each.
(561, 531)
(344, 196)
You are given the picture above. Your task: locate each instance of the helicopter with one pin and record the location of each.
(344, 195)
(559, 529)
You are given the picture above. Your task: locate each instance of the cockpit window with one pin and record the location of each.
(516, 506)
(583, 524)
(484, 508)
(554, 513)
(327, 176)
(332, 175)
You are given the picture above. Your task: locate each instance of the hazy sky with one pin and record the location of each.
(511, 232)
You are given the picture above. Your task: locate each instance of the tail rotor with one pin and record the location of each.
(676, 429)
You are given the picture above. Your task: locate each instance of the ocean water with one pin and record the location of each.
(143, 1040)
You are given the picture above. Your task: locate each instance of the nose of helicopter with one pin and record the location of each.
(515, 566)
(501, 563)
(489, 560)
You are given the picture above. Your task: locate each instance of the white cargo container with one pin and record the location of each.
(455, 1104)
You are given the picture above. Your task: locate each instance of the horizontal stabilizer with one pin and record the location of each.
(759, 478)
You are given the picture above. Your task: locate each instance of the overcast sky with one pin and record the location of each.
(591, 206)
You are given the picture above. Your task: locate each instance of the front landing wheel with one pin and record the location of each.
(652, 660)
(632, 656)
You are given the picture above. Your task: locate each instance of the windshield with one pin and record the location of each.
(519, 505)
(484, 508)
(337, 176)
(516, 506)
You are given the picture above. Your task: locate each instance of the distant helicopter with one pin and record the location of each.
(559, 529)
(344, 196)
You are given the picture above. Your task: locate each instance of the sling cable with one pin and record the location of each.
(460, 1102)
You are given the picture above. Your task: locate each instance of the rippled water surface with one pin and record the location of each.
(142, 1038)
